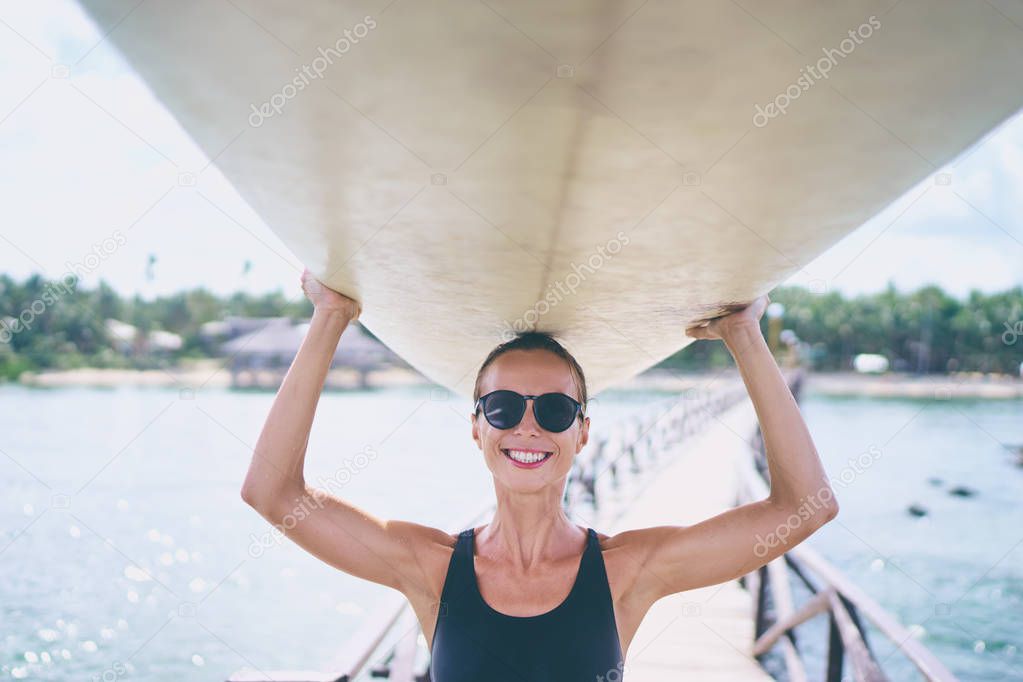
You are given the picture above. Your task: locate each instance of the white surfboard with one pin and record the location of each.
(609, 171)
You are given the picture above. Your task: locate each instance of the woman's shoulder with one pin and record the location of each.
(612, 541)
(432, 548)
(635, 538)
(627, 551)
(432, 538)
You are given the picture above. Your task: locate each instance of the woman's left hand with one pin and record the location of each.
(744, 317)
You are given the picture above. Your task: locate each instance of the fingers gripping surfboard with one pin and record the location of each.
(608, 171)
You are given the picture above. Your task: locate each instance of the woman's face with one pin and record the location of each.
(529, 372)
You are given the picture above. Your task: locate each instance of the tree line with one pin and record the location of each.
(58, 325)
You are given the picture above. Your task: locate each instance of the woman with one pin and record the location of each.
(531, 596)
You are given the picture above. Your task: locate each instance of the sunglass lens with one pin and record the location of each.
(504, 409)
(555, 412)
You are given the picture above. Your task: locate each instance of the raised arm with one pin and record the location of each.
(732, 543)
(326, 526)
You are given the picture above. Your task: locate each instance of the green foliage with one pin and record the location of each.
(62, 326)
(923, 331)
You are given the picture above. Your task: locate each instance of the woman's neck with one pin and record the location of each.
(528, 529)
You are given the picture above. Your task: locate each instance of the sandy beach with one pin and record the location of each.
(205, 373)
(892, 384)
(939, 387)
(210, 373)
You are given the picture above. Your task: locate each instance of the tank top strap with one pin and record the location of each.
(592, 573)
(464, 547)
(591, 555)
(460, 567)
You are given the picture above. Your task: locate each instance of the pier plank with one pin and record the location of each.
(704, 634)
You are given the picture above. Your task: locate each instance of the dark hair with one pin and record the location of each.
(534, 341)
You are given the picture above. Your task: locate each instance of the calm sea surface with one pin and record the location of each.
(955, 574)
(127, 553)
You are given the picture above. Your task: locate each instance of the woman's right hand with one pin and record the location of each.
(326, 299)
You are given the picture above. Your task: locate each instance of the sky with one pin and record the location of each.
(88, 154)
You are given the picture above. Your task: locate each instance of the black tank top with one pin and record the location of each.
(576, 641)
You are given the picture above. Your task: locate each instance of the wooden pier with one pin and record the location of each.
(705, 634)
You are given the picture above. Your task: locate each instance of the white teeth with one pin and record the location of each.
(526, 457)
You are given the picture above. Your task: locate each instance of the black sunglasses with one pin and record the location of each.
(504, 409)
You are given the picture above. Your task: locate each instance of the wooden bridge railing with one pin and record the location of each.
(833, 593)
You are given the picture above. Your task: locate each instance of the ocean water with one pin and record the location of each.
(127, 553)
(954, 576)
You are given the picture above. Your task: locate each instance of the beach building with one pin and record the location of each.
(260, 350)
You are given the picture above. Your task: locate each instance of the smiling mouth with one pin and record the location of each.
(527, 459)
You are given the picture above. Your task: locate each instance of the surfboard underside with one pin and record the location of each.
(608, 171)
